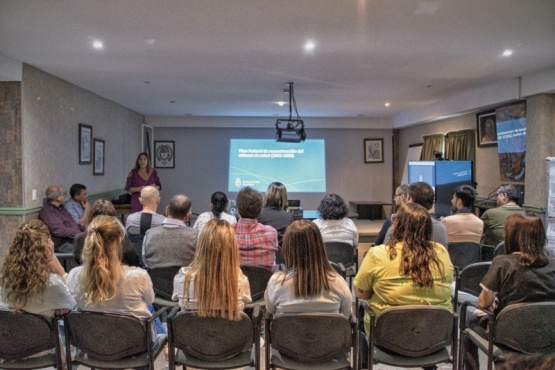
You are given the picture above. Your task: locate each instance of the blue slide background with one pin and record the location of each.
(258, 167)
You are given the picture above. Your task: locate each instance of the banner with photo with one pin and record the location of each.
(511, 139)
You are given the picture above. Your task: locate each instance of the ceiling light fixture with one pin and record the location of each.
(290, 130)
(507, 53)
(281, 103)
(387, 104)
(309, 46)
(97, 44)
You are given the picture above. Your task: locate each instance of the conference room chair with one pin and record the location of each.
(521, 328)
(500, 249)
(412, 336)
(345, 253)
(25, 334)
(213, 342)
(162, 283)
(464, 253)
(112, 341)
(258, 280)
(311, 341)
(468, 282)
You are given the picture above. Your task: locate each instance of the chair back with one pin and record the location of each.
(311, 338)
(526, 327)
(104, 336)
(499, 250)
(258, 280)
(341, 252)
(414, 331)
(471, 277)
(464, 253)
(211, 338)
(24, 334)
(340, 269)
(162, 280)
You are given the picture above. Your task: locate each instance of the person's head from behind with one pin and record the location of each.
(332, 207)
(463, 197)
(102, 269)
(218, 203)
(78, 192)
(421, 193)
(150, 196)
(401, 195)
(412, 226)
(507, 193)
(249, 203)
(216, 265)
(101, 207)
(143, 161)
(305, 256)
(276, 196)
(525, 234)
(179, 207)
(26, 268)
(55, 194)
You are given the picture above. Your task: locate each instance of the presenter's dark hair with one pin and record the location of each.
(332, 207)
(148, 165)
(219, 203)
(422, 193)
(524, 232)
(467, 195)
(76, 189)
(276, 196)
(511, 191)
(249, 203)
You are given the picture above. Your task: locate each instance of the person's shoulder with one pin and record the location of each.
(135, 272)
(131, 173)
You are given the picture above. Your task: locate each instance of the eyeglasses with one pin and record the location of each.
(397, 195)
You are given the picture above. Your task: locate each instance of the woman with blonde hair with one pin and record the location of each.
(31, 277)
(103, 283)
(213, 284)
(310, 283)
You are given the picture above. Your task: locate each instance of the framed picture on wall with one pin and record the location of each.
(373, 150)
(164, 154)
(98, 167)
(487, 129)
(85, 141)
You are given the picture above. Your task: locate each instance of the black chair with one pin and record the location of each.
(345, 253)
(111, 341)
(258, 280)
(162, 283)
(464, 253)
(412, 336)
(311, 341)
(520, 328)
(25, 334)
(500, 249)
(468, 282)
(213, 342)
(340, 269)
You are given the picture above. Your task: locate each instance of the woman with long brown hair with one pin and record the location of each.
(410, 270)
(31, 278)
(309, 284)
(140, 176)
(213, 284)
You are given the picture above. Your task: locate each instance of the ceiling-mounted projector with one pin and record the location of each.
(290, 131)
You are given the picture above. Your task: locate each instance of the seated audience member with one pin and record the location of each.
(173, 243)
(218, 204)
(275, 212)
(257, 242)
(104, 207)
(333, 223)
(58, 220)
(213, 284)
(78, 206)
(523, 361)
(31, 278)
(410, 270)
(309, 284)
(400, 198)
(463, 226)
(138, 223)
(494, 218)
(423, 194)
(524, 274)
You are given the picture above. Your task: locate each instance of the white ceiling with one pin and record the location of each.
(234, 57)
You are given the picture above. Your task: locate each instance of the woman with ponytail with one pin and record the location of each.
(31, 277)
(218, 205)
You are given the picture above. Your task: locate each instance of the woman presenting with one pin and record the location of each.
(142, 175)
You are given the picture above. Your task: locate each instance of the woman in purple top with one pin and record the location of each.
(142, 175)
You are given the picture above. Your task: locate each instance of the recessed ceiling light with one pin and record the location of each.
(387, 104)
(281, 103)
(507, 53)
(309, 46)
(172, 101)
(97, 44)
(147, 82)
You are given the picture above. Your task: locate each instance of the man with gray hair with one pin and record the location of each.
(494, 218)
(58, 220)
(173, 243)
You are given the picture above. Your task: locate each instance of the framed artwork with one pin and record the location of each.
(164, 154)
(373, 150)
(98, 167)
(85, 141)
(487, 129)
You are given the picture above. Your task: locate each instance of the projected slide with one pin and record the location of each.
(257, 163)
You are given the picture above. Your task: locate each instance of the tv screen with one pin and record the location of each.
(301, 167)
(422, 171)
(449, 175)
